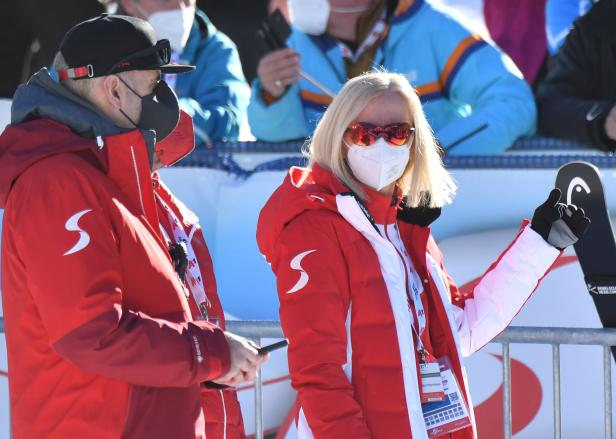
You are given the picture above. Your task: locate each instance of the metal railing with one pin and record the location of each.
(526, 153)
(257, 330)
(555, 337)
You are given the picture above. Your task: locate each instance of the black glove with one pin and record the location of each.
(179, 257)
(561, 225)
(422, 216)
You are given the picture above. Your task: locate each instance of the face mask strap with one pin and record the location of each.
(138, 95)
(350, 9)
(127, 116)
(129, 87)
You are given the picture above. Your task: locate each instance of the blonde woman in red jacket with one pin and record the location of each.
(376, 327)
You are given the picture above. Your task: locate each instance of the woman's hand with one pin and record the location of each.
(561, 225)
(277, 70)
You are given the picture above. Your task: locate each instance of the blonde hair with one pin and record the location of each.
(425, 180)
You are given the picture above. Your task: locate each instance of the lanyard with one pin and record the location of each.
(377, 32)
(415, 287)
(194, 281)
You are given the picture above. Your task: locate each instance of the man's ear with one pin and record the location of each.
(111, 91)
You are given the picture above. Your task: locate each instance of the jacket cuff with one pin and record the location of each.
(267, 98)
(211, 351)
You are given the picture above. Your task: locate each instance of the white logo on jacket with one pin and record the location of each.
(73, 226)
(593, 112)
(296, 264)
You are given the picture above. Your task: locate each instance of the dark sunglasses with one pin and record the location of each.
(156, 56)
(365, 134)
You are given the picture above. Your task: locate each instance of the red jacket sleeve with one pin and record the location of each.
(313, 289)
(79, 296)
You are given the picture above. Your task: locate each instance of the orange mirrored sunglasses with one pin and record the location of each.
(365, 134)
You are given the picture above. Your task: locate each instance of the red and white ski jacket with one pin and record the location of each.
(100, 338)
(221, 408)
(344, 309)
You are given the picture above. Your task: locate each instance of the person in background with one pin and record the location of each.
(100, 337)
(365, 301)
(518, 28)
(191, 257)
(215, 94)
(240, 20)
(559, 18)
(473, 95)
(44, 23)
(577, 99)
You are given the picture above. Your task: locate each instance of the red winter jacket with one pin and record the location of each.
(100, 338)
(223, 415)
(344, 307)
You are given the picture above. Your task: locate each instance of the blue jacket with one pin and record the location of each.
(215, 94)
(473, 95)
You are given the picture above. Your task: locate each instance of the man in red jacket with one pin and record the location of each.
(100, 338)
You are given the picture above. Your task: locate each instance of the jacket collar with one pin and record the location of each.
(44, 98)
(202, 28)
(382, 207)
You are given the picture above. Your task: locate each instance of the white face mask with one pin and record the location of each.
(311, 16)
(174, 25)
(379, 164)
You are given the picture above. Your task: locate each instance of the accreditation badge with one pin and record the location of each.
(451, 413)
(432, 389)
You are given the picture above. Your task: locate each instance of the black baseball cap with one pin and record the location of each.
(110, 44)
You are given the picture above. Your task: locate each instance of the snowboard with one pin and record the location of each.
(580, 184)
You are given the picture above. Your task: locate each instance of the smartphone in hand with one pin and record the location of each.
(274, 30)
(272, 347)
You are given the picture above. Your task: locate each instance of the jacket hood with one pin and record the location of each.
(26, 143)
(44, 98)
(302, 189)
(311, 189)
(47, 119)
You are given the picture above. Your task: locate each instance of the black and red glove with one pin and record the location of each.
(561, 225)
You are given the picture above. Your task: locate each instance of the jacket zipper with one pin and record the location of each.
(132, 153)
(224, 416)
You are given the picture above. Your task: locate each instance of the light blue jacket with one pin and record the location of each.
(473, 95)
(215, 94)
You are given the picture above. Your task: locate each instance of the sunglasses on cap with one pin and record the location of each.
(365, 134)
(152, 57)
